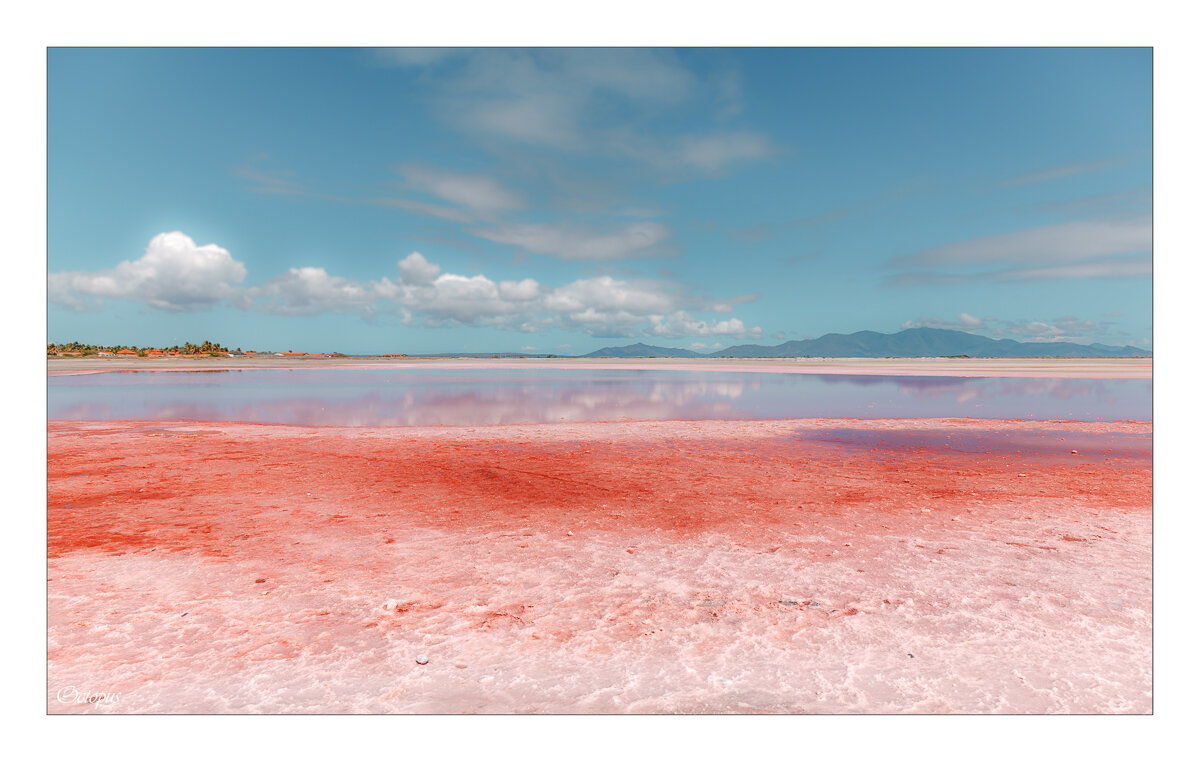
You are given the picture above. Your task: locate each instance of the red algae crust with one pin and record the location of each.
(819, 565)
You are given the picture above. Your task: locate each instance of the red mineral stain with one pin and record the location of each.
(786, 495)
(245, 487)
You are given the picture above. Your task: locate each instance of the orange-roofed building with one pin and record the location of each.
(126, 352)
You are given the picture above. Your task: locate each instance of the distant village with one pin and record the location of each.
(207, 349)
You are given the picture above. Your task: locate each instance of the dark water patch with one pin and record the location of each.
(1049, 445)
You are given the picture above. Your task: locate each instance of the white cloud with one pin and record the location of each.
(712, 153)
(609, 295)
(174, 274)
(1059, 172)
(459, 298)
(679, 324)
(1050, 244)
(554, 97)
(618, 323)
(1065, 328)
(569, 242)
(415, 56)
(729, 93)
(520, 291)
(281, 182)
(965, 322)
(636, 73)
(708, 154)
(429, 210)
(1035, 328)
(544, 120)
(1071, 324)
(1134, 266)
(311, 291)
(969, 320)
(564, 99)
(479, 194)
(600, 306)
(1110, 267)
(417, 270)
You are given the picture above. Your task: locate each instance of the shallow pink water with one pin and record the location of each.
(781, 566)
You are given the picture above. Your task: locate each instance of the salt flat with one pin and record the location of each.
(930, 565)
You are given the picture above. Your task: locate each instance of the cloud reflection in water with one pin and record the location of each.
(392, 398)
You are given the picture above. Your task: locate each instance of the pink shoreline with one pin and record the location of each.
(614, 430)
(1119, 368)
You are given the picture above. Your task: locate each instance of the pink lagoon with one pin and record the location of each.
(572, 540)
(752, 379)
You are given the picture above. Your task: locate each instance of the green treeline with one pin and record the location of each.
(74, 347)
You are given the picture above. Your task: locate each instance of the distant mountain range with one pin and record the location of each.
(643, 350)
(913, 342)
(484, 355)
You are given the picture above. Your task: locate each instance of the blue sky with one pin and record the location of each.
(425, 200)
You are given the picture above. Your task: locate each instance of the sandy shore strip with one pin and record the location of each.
(725, 566)
(970, 368)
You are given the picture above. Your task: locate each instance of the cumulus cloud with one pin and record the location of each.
(610, 295)
(474, 299)
(417, 270)
(680, 324)
(600, 306)
(581, 127)
(174, 274)
(572, 242)
(311, 291)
